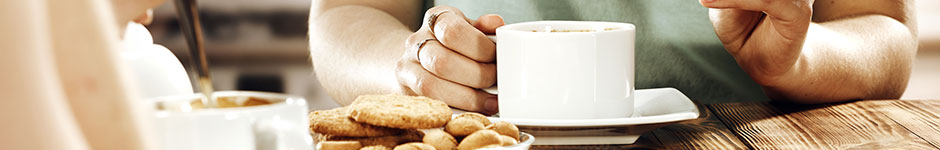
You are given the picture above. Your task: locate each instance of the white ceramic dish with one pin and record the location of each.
(654, 108)
(280, 125)
(660, 105)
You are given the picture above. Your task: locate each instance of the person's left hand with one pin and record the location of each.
(764, 36)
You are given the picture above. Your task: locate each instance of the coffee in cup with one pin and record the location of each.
(231, 102)
(244, 120)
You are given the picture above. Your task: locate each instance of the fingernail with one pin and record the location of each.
(708, 1)
(491, 105)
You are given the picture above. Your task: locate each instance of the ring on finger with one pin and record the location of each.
(433, 19)
(418, 48)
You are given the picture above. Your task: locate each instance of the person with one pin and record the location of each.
(801, 51)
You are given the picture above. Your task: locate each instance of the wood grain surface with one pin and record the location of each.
(920, 117)
(871, 124)
(707, 132)
(830, 126)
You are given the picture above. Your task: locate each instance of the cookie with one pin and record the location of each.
(387, 141)
(399, 111)
(375, 147)
(414, 146)
(506, 129)
(475, 116)
(440, 140)
(337, 122)
(463, 126)
(490, 146)
(339, 145)
(506, 140)
(480, 139)
(411, 136)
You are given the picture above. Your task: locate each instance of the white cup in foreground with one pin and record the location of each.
(565, 70)
(280, 125)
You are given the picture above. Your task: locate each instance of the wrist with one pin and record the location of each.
(774, 73)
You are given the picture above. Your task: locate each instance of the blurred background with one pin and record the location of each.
(262, 46)
(252, 45)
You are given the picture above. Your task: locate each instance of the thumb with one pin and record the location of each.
(488, 23)
(734, 26)
(786, 10)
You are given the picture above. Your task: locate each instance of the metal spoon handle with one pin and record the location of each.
(192, 31)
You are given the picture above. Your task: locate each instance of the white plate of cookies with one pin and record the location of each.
(398, 122)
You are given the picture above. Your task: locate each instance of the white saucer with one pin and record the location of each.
(652, 106)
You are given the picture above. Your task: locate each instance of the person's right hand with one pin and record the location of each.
(450, 58)
(764, 37)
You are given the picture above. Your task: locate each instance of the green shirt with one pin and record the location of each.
(676, 45)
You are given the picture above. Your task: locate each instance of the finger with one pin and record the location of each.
(787, 10)
(734, 26)
(456, 33)
(488, 23)
(146, 18)
(424, 83)
(415, 42)
(451, 66)
(432, 13)
(752, 5)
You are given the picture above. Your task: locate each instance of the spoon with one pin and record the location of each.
(192, 31)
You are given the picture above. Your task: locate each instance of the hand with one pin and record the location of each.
(764, 36)
(140, 11)
(145, 19)
(450, 58)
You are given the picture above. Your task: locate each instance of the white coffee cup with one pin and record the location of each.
(281, 125)
(565, 75)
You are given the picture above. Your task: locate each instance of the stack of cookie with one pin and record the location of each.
(406, 123)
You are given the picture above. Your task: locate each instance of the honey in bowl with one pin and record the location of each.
(232, 101)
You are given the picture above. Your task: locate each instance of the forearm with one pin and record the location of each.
(354, 50)
(864, 57)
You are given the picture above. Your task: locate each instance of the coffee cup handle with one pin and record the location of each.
(493, 89)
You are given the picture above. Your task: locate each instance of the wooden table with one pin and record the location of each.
(871, 124)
